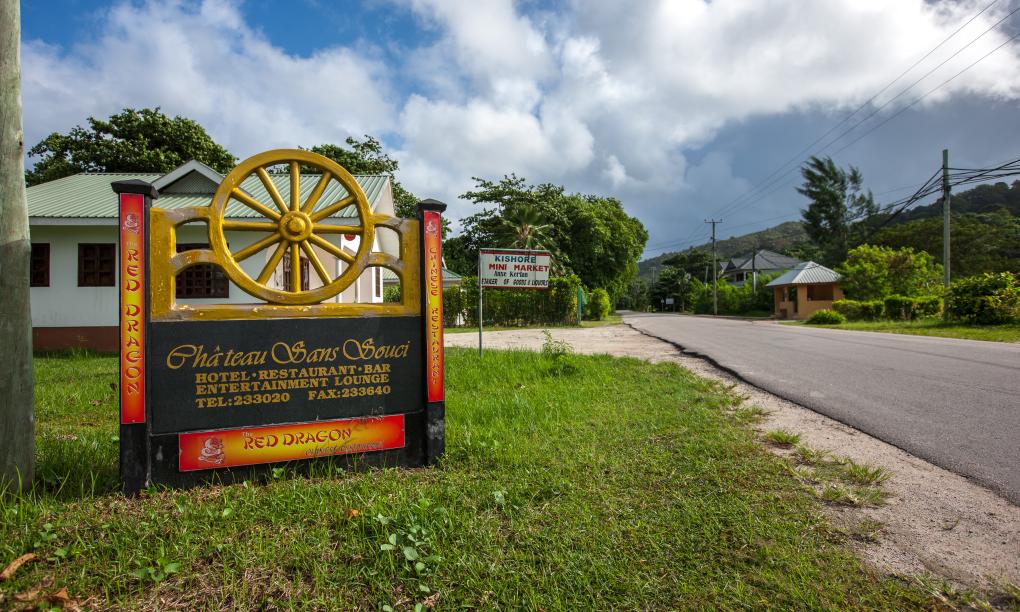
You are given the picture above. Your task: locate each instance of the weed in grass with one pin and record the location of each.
(752, 414)
(843, 495)
(782, 437)
(861, 474)
(811, 456)
(867, 530)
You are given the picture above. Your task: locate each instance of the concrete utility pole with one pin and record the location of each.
(17, 420)
(945, 232)
(715, 270)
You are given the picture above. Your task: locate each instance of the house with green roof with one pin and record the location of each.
(74, 233)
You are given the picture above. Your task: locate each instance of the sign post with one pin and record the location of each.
(510, 269)
(297, 375)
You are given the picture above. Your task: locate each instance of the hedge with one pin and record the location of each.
(909, 308)
(855, 310)
(598, 305)
(985, 298)
(513, 307)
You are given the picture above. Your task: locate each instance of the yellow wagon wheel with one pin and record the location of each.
(292, 226)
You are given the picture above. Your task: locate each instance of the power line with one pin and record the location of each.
(766, 182)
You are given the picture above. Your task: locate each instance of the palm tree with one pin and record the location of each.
(525, 227)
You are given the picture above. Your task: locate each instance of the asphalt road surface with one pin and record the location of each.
(955, 403)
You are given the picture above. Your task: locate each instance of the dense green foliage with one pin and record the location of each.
(598, 306)
(556, 305)
(366, 156)
(133, 140)
(838, 203)
(855, 310)
(570, 482)
(907, 308)
(826, 317)
(985, 298)
(981, 242)
(590, 236)
(875, 272)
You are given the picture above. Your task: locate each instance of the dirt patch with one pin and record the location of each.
(935, 521)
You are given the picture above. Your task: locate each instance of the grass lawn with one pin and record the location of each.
(1009, 332)
(570, 482)
(612, 319)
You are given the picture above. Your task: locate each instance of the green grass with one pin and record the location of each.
(1009, 332)
(782, 437)
(570, 482)
(613, 319)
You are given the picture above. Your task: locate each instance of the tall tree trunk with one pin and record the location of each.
(17, 414)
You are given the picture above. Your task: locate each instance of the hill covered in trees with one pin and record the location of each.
(985, 233)
(782, 238)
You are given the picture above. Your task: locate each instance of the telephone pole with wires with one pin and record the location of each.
(945, 232)
(715, 269)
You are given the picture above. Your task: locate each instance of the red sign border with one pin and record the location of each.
(433, 299)
(132, 388)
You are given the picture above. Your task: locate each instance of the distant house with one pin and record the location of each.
(806, 288)
(74, 269)
(762, 261)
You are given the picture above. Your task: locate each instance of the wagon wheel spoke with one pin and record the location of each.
(270, 186)
(250, 226)
(322, 228)
(274, 261)
(295, 267)
(334, 207)
(295, 186)
(256, 247)
(316, 263)
(329, 247)
(254, 204)
(320, 187)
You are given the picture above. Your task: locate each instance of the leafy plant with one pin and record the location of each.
(826, 317)
(782, 437)
(986, 299)
(157, 572)
(598, 305)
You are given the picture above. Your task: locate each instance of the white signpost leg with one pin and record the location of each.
(479, 305)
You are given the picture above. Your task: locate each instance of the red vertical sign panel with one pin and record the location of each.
(434, 305)
(132, 308)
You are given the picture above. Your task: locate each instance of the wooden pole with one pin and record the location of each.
(17, 420)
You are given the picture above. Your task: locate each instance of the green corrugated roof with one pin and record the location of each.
(89, 195)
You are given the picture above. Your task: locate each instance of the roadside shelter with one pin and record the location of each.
(805, 289)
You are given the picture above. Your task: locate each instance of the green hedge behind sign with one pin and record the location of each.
(556, 305)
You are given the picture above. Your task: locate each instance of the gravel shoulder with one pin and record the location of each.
(935, 522)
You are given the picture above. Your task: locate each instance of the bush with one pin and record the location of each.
(987, 299)
(899, 307)
(826, 317)
(927, 306)
(598, 305)
(872, 309)
(513, 307)
(851, 309)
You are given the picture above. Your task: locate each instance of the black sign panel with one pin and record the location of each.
(243, 373)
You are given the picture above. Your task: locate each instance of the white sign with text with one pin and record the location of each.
(513, 269)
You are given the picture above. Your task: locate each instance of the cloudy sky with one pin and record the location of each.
(679, 108)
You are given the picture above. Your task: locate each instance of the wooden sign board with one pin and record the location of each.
(227, 391)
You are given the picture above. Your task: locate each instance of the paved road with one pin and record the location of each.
(955, 403)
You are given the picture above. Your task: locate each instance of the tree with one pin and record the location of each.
(695, 262)
(143, 140)
(838, 204)
(17, 429)
(367, 156)
(593, 236)
(876, 272)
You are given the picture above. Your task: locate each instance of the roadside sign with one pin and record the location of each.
(669, 301)
(513, 269)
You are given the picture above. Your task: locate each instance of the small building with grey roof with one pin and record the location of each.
(805, 289)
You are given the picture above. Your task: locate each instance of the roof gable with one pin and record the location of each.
(192, 177)
(806, 273)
